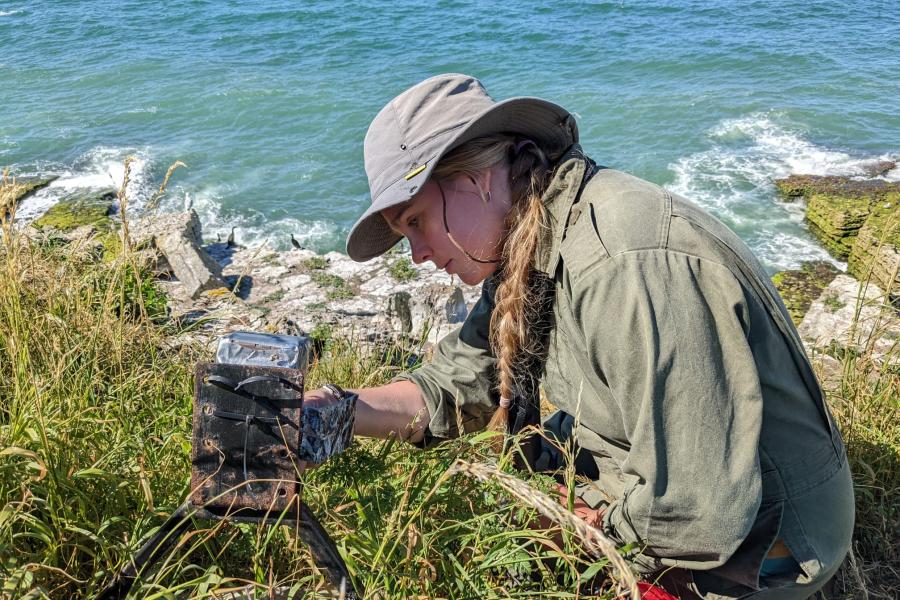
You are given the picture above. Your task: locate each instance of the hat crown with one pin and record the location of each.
(413, 131)
(412, 128)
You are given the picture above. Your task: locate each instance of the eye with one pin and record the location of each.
(412, 222)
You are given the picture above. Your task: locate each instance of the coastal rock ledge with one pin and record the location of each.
(298, 291)
(220, 287)
(857, 220)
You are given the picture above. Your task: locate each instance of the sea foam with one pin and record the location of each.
(734, 179)
(252, 228)
(101, 168)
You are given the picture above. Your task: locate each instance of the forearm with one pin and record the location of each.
(393, 409)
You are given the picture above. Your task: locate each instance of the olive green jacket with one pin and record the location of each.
(693, 390)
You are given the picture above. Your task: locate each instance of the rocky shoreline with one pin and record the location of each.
(223, 286)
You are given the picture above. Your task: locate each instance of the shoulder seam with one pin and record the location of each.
(666, 221)
(609, 259)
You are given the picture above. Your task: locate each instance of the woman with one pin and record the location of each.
(699, 418)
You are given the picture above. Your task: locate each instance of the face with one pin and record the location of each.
(475, 224)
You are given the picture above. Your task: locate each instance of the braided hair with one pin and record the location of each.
(519, 321)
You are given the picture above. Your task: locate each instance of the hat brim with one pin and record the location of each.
(548, 124)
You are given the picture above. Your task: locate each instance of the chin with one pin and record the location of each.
(472, 278)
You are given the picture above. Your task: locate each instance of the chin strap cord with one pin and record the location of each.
(450, 235)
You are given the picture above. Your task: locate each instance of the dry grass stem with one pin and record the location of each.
(594, 540)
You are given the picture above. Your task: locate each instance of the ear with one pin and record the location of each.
(483, 183)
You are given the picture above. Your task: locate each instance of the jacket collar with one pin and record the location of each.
(561, 194)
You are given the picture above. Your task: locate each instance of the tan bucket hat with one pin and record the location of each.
(410, 135)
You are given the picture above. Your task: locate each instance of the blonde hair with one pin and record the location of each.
(518, 322)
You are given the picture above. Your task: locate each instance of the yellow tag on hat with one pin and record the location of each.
(414, 172)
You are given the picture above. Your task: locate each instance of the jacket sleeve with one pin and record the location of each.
(668, 332)
(457, 385)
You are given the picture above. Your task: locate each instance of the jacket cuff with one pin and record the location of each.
(435, 432)
(617, 527)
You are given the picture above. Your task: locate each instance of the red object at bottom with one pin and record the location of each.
(652, 592)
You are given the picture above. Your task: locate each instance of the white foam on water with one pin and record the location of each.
(99, 169)
(103, 168)
(734, 180)
(251, 227)
(149, 109)
(7, 13)
(788, 152)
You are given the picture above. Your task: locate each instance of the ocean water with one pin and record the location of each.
(268, 102)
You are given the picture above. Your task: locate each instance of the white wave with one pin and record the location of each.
(149, 109)
(252, 229)
(734, 179)
(6, 13)
(99, 169)
(788, 152)
(780, 250)
(103, 168)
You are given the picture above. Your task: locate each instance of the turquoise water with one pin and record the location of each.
(268, 102)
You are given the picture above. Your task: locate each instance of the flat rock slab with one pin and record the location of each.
(832, 321)
(178, 237)
(800, 287)
(879, 168)
(386, 296)
(806, 186)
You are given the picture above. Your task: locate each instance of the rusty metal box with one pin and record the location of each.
(246, 438)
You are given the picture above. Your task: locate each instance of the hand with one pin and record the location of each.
(317, 397)
(314, 398)
(591, 516)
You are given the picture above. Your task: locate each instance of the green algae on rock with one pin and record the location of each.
(875, 254)
(836, 221)
(807, 186)
(838, 207)
(76, 210)
(25, 186)
(800, 287)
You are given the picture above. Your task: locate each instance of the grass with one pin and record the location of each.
(833, 303)
(401, 269)
(276, 296)
(315, 263)
(865, 399)
(95, 421)
(336, 287)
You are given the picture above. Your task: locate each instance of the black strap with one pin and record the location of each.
(324, 551)
(238, 387)
(151, 551)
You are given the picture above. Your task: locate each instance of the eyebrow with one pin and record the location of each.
(393, 223)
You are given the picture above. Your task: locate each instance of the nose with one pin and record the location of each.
(420, 250)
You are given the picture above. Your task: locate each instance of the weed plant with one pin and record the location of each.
(401, 269)
(864, 396)
(336, 287)
(315, 263)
